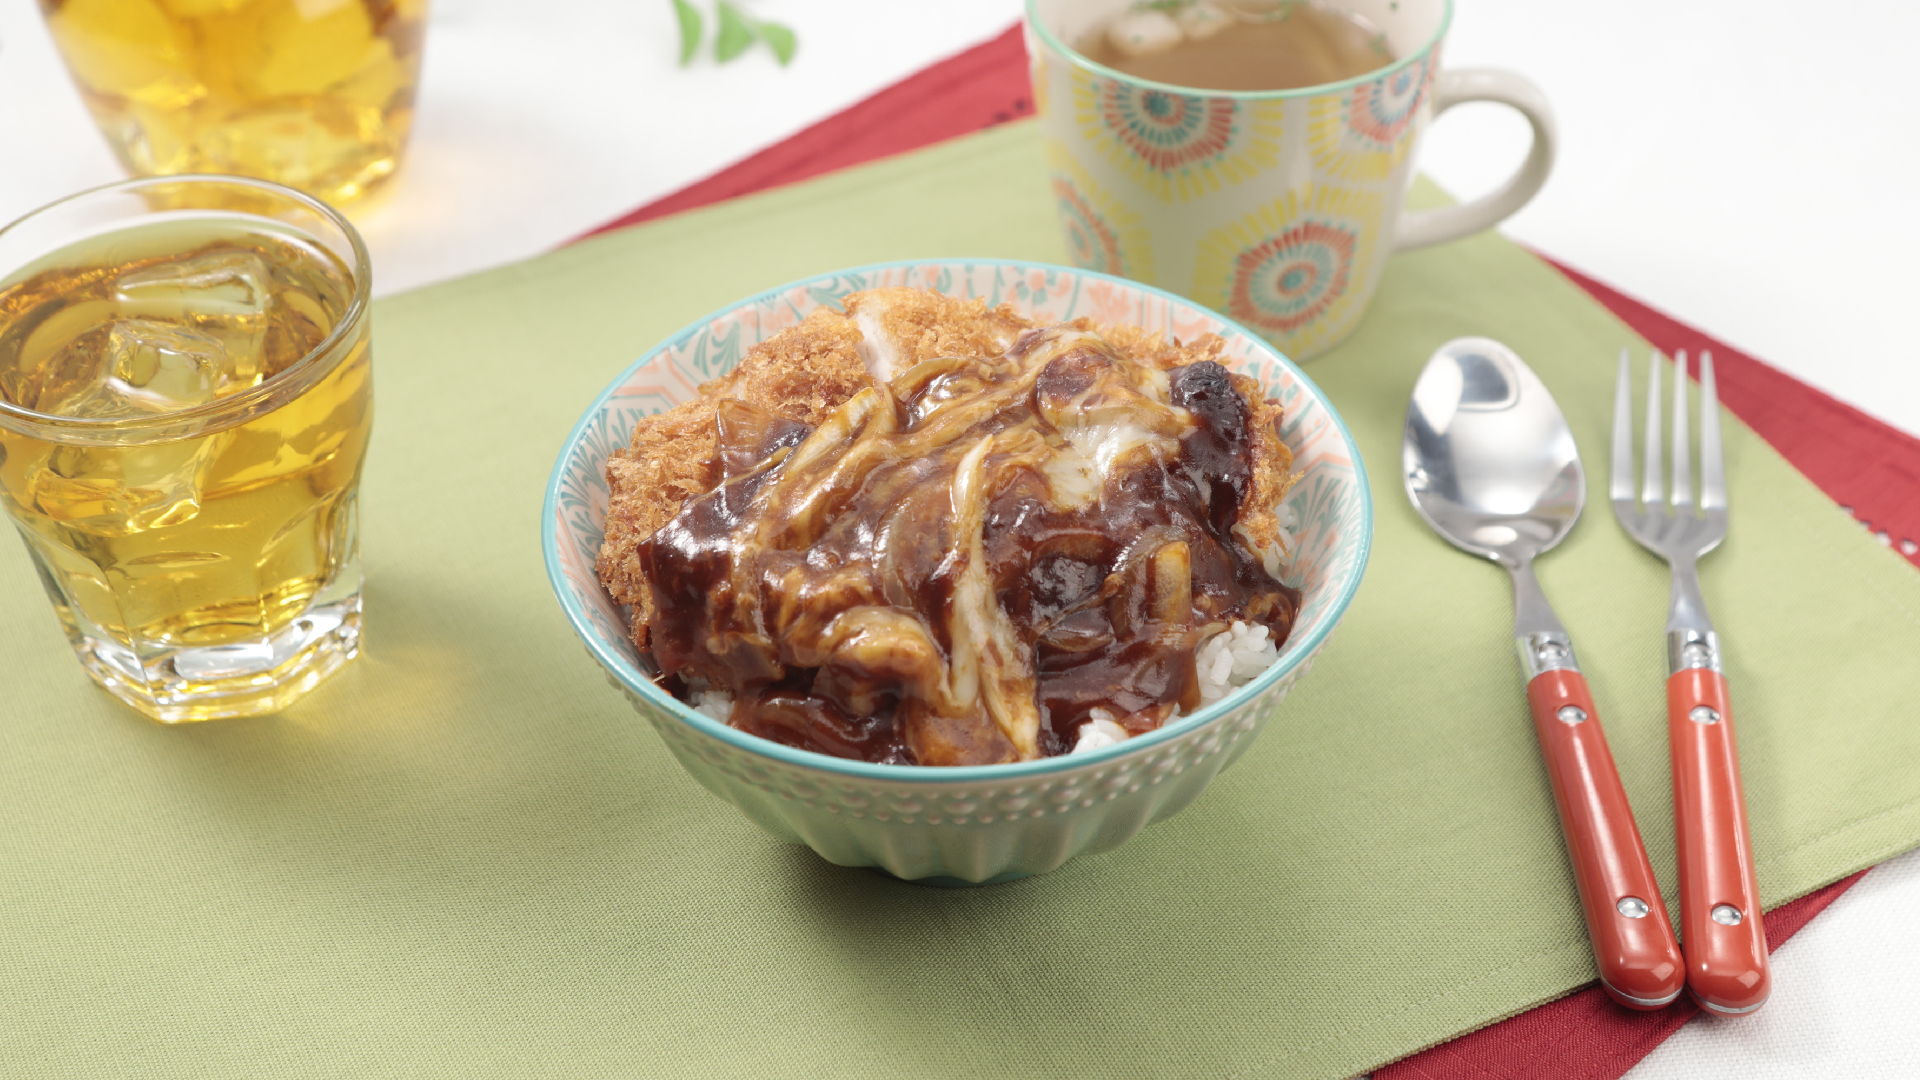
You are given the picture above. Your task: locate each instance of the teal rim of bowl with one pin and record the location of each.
(637, 682)
(1082, 60)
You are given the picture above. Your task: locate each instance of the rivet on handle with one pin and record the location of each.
(1632, 907)
(1571, 714)
(1726, 915)
(1703, 714)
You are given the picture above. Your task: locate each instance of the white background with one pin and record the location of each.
(1748, 167)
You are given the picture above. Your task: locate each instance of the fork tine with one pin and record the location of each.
(1651, 492)
(1713, 468)
(1620, 474)
(1682, 456)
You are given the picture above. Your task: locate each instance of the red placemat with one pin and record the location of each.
(1869, 467)
(1583, 1036)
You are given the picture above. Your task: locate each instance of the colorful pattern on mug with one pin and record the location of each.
(1288, 269)
(1177, 146)
(1102, 234)
(1358, 135)
(1379, 111)
(1040, 76)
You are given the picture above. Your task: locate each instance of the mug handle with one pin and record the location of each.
(1425, 227)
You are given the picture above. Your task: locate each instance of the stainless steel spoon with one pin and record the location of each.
(1490, 463)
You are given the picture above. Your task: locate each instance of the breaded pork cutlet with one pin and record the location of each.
(803, 374)
(901, 327)
(806, 372)
(1272, 461)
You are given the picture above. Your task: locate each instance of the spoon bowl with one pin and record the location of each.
(1488, 458)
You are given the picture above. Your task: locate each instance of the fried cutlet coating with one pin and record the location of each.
(908, 326)
(802, 373)
(1272, 461)
(1273, 471)
(806, 372)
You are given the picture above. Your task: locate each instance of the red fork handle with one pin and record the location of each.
(1726, 964)
(1639, 961)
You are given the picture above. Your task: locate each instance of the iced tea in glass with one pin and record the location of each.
(185, 404)
(316, 94)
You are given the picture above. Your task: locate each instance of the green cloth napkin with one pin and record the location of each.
(465, 856)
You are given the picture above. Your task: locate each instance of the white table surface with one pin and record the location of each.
(1747, 167)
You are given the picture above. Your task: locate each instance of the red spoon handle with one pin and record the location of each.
(1633, 943)
(1726, 946)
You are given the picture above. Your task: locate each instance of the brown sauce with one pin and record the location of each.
(959, 567)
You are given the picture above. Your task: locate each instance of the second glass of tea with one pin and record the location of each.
(185, 404)
(315, 94)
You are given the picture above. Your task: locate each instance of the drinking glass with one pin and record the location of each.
(316, 94)
(185, 404)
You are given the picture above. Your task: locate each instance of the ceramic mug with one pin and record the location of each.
(1276, 208)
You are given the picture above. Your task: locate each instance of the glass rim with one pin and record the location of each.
(219, 409)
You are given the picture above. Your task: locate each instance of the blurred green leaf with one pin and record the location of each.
(780, 39)
(691, 25)
(735, 33)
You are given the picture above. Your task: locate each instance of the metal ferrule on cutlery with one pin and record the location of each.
(1692, 650)
(1724, 940)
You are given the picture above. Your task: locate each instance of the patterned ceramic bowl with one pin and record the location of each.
(984, 823)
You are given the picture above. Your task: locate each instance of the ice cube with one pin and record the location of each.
(147, 367)
(228, 284)
(310, 48)
(224, 294)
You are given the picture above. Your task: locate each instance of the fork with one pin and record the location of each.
(1721, 934)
